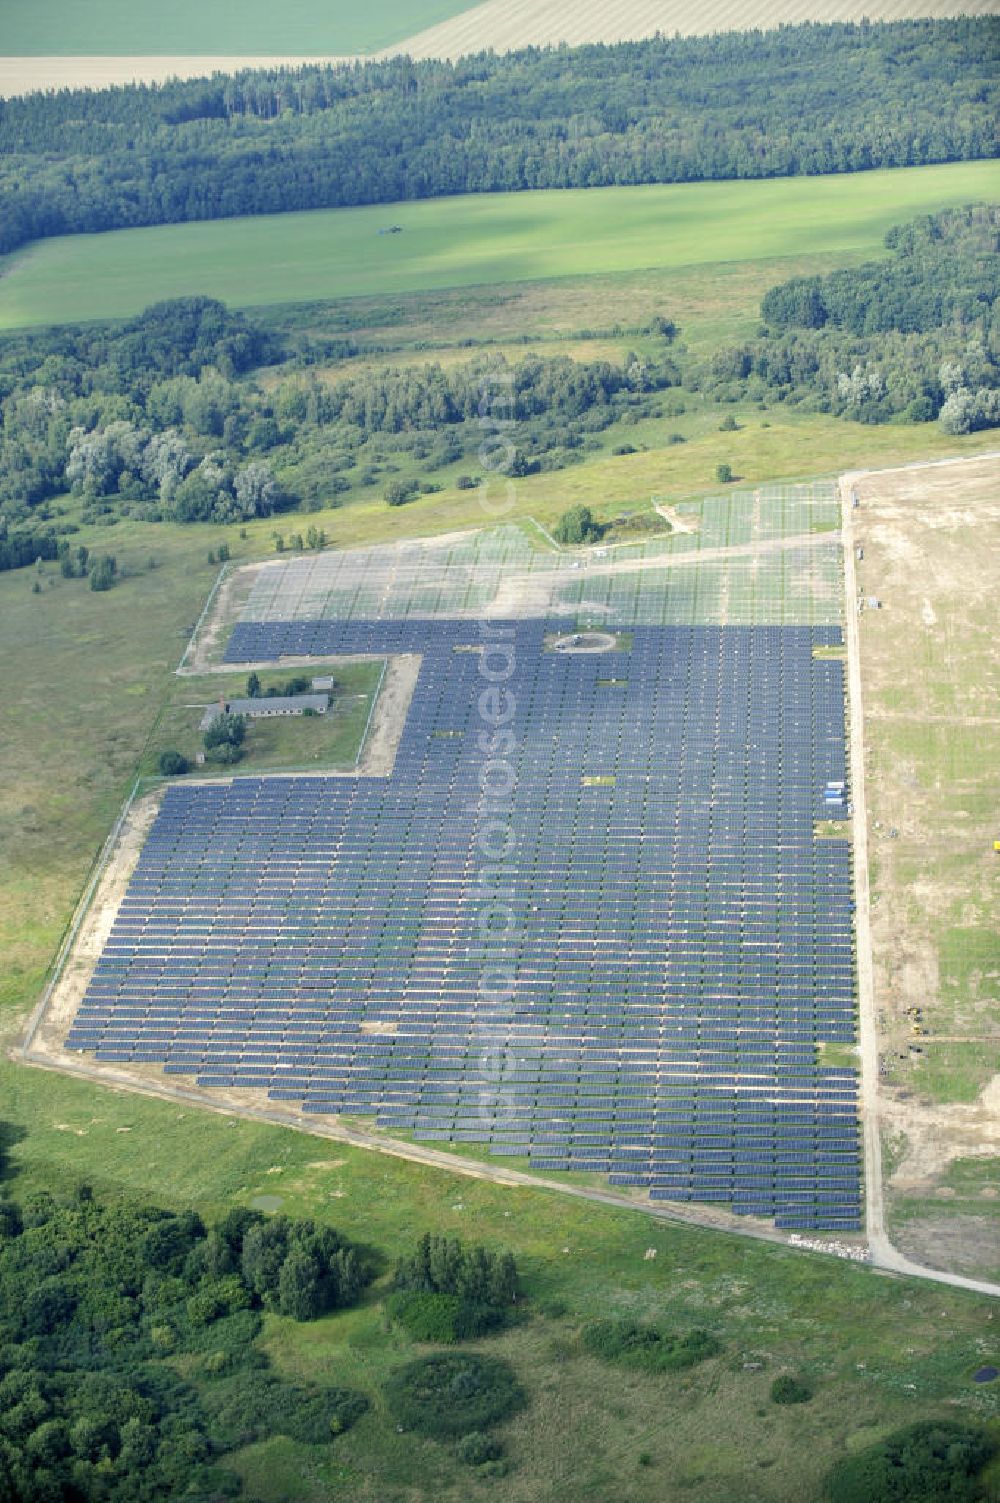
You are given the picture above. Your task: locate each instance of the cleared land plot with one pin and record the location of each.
(474, 240)
(64, 28)
(766, 556)
(931, 675)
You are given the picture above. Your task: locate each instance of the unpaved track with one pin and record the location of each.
(878, 1241)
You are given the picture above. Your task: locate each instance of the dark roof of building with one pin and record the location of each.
(278, 704)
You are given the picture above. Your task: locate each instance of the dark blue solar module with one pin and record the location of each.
(585, 921)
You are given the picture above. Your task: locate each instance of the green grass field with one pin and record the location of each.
(296, 744)
(474, 240)
(223, 28)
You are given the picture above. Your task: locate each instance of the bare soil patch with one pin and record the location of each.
(74, 978)
(930, 666)
(955, 1242)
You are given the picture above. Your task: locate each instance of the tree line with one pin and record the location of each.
(800, 100)
(913, 337)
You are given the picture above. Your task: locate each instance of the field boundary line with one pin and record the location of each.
(192, 640)
(371, 712)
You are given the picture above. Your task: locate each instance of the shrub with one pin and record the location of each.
(426, 1317)
(398, 492)
(225, 755)
(934, 1461)
(452, 1393)
(789, 1390)
(647, 1346)
(225, 730)
(578, 526)
(728, 425)
(475, 1449)
(232, 1335)
(621, 449)
(445, 1318)
(173, 764)
(255, 1405)
(723, 473)
(103, 572)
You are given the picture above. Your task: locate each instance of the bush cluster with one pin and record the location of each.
(450, 1394)
(929, 1462)
(647, 1346)
(446, 1292)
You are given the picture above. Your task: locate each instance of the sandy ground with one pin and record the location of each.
(224, 605)
(928, 657)
(500, 25)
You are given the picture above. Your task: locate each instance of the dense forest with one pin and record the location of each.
(799, 100)
(104, 1305)
(913, 337)
(130, 1364)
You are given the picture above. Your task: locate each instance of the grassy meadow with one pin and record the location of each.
(213, 28)
(878, 1352)
(474, 240)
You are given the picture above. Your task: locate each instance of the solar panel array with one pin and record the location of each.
(466, 575)
(622, 957)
